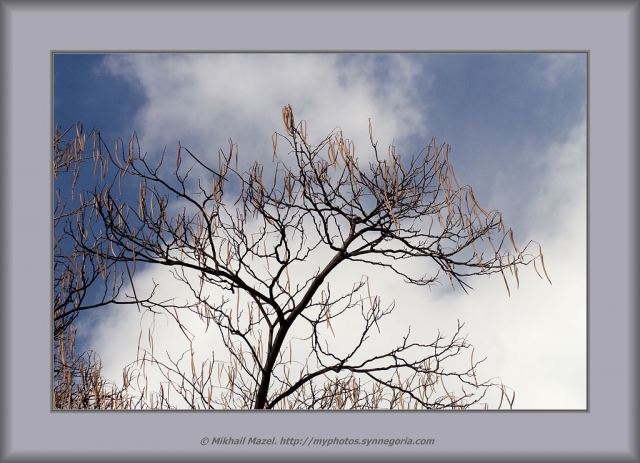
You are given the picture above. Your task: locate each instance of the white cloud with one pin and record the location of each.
(535, 340)
(202, 100)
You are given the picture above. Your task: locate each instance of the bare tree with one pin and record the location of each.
(257, 252)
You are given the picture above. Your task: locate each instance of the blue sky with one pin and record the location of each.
(517, 127)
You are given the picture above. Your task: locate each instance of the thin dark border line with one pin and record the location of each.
(588, 217)
(52, 96)
(316, 52)
(588, 230)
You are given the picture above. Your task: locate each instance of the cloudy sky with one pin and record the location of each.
(516, 124)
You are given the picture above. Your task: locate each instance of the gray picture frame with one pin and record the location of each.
(31, 31)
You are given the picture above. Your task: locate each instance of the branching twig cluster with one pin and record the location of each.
(268, 240)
